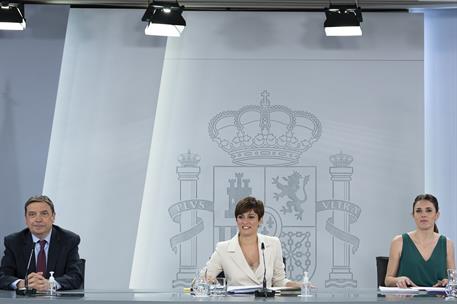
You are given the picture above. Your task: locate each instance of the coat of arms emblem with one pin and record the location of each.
(265, 143)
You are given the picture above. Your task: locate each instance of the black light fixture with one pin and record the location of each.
(164, 19)
(12, 16)
(343, 20)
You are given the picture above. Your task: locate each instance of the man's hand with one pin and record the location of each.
(20, 284)
(38, 282)
(441, 283)
(404, 282)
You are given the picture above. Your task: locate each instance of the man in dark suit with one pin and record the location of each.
(45, 246)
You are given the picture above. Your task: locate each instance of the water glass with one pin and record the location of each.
(200, 285)
(218, 287)
(451, 287)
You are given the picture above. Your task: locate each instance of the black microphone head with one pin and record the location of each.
(262, 246)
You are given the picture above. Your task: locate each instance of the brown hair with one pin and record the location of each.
(431, 199)
(39, 199)
(250, 203)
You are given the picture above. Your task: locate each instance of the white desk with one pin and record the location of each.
(365, 296)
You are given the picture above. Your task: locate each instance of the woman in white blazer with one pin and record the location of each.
(240, 258)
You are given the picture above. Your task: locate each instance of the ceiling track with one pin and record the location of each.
(247, 5)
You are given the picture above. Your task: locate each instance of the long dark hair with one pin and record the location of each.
(431, 199)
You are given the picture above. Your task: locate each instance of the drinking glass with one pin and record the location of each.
(218, 287)
(451, 287)
(200, 285)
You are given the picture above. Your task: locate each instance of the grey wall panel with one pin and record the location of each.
(29, 74)
(101, 136)
(441, 112)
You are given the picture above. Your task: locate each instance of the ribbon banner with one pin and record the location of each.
(353, 212)
(177, 209)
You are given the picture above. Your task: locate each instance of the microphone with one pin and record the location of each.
(262, 246)
(264, 292)
(27, 291)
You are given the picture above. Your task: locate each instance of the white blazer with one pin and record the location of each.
(229, 258)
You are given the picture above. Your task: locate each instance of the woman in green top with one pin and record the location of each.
(421, 257)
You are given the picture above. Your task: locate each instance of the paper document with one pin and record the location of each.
(253, 288)
(287, 291)
(243, 289)
(411, 290)
(286, 288)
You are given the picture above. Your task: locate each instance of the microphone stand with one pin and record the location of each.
(264, 292)
(27, 291)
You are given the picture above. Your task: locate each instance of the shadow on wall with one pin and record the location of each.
(248, 32)
(92, 28)
(28, 86)
(9, 164)
(43, 22)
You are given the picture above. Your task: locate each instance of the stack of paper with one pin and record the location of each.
(252, 288)
(411, 290)
(287, 291)
(243, 289)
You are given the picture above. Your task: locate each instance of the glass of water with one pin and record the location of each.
(218, 287)
(451, 287)
(200, 285)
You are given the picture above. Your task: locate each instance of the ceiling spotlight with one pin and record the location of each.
(12, 16)
(164, 19)
(343, 20)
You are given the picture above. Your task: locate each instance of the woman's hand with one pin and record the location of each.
(404, 282)
(298, 284)
(441, 283)
(294, 284)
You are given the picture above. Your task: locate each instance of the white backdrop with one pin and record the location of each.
(366, 94)
(101, 135)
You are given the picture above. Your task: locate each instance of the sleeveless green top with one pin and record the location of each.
(421, 272)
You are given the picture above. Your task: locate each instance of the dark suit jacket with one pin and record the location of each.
(63, 258)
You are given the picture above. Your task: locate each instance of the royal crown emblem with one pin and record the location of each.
(341, 160)
(189, 159)
(265, 134)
